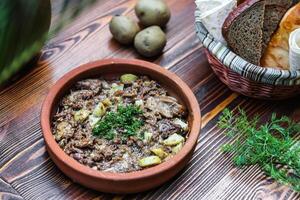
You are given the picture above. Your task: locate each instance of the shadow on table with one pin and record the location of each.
(26, 69)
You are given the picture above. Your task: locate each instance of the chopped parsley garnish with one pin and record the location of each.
(271, 145)
(125, 122)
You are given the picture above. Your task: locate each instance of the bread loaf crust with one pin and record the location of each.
(246, 52)
(277, 52)
(236, 13)
(274, 11)
(261, 27)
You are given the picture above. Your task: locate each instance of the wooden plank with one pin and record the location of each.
(26, 171)
(8, 192)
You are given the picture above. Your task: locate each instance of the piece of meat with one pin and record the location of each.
(89, 84)
(77, 99)
(63, 130)
(166, 106)
(166, 127)
(150, 117)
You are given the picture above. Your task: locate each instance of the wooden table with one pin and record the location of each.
(27, 172)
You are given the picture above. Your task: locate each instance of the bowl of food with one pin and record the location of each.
(120, 126)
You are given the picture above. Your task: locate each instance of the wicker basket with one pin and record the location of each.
(244, 77)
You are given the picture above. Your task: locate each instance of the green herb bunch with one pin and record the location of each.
(270, 146)
(126, 120)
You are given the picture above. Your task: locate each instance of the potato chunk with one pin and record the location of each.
(149, 161)
(99, 110)
(128, 78)
(177, 148)
(147, 137)
(160, 153)
(81, 115)
(173, 140)
(182, 124)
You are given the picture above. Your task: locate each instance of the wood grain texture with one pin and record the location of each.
(27, 172)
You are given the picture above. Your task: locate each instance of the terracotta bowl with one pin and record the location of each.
(131, 182)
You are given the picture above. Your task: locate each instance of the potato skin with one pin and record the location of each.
(152, 12)
(150, 41)
(123, 29)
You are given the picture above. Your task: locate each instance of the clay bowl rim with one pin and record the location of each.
(49, 102)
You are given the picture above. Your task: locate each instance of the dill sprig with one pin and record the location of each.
(125, 122)
(271, 145)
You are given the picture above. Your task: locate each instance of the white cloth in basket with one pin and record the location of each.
(294, 43)
(213, 14)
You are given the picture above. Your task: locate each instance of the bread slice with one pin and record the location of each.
(274, 11)
(277, 52)
(249, 28)
(243, 30)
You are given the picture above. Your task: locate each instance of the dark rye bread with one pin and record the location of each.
(261, 17)
(274, 11)
(243, 30)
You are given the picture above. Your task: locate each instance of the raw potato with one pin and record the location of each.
(152, 12)
(150, 41)
(123, 29)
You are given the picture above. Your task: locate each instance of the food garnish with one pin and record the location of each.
(269, 145)
(126, 119)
